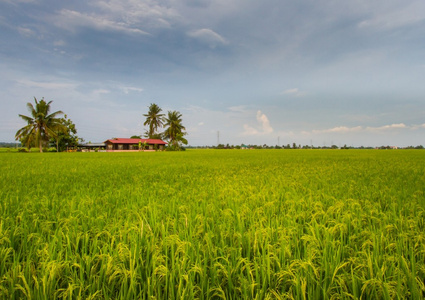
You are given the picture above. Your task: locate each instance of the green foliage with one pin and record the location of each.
(157, 136)
(66, 139)
(41, 126)
(207, 224)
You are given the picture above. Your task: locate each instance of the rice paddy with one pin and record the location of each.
(210, 224)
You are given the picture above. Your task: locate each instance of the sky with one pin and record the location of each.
(272, 72)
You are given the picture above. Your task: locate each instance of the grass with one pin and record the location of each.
(23, 149)
(209, 224)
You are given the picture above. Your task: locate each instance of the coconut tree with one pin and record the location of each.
(42, 125)
(174, 131)
(154, 119)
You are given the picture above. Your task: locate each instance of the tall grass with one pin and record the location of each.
(268, 224)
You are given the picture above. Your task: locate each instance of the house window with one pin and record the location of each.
(120, 146)
(109, 146)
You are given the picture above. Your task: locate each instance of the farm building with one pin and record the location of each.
(91, 147)
(122, 144)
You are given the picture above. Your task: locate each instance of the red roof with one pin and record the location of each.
(136, 141)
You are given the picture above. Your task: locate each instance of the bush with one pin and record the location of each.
(175, 148)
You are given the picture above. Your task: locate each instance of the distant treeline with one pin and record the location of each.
(10, 145)
(295, 146)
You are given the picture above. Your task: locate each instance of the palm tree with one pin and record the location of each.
(175, 130)
(41, 125)
(154, 119)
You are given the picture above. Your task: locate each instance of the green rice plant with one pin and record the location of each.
(269, 224)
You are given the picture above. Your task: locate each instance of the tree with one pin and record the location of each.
(154, 119)
(68, 138)
(42, 125)
(174, 132)
(155, 136)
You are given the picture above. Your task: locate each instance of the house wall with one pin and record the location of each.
(130, 147)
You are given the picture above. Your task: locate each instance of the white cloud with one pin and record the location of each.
(387, 127)
(407, 15)
(59, 43)
(345, 129)
(45, 85)
(294, 92)
(70, 19)
(249, 130)
(416, 127)
(100, 91)
(264, 122)
(14, 2)
(208, 36)
(263, 128)
(128, 89)
(291, 91)
(340, 129)
(26, 32)
(148, 12)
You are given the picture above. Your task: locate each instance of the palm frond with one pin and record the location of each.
(55, 114)
(27, 119)
(31, 109)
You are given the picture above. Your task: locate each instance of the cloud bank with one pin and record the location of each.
(364, 129)
(263, 127)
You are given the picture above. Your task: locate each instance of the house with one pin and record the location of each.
(125, 145)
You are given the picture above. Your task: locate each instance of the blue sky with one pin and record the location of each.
(257, 72)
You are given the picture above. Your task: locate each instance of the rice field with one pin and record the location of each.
(211, 224)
